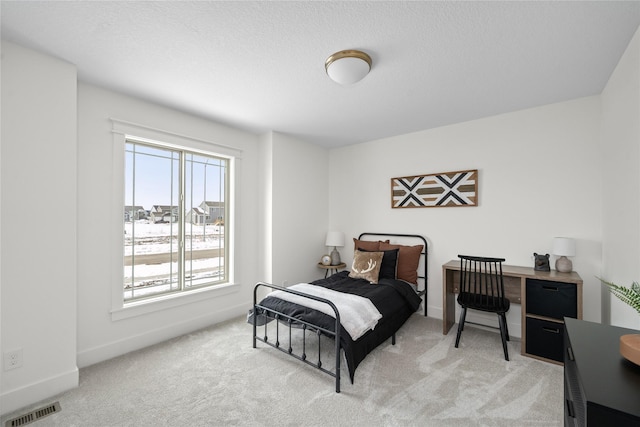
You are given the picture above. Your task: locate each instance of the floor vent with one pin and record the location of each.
(34, 415)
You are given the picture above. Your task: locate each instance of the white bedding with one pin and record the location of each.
(357, 314)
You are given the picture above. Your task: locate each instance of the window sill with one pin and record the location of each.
(140, 308)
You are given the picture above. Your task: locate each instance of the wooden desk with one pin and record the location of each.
(516, 280)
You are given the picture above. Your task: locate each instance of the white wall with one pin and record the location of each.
(100, 335)
(300, 210)
(38, 225)
(539, 177)
(621, 182)
(293, 209)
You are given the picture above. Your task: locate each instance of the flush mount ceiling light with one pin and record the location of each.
(348, 66)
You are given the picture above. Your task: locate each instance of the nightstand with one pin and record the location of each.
(331, 269)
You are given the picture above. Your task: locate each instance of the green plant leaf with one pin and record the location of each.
(630, 296)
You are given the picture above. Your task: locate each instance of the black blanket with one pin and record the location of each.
(395, 300)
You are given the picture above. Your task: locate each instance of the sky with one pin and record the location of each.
(156, 173)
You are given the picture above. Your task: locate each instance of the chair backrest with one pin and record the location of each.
(481, 281)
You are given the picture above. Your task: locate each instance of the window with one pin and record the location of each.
(175, 213)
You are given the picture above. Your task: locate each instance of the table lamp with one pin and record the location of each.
(335, 239)
(564, 247)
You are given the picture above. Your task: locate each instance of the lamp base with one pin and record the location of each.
(335, 257)
(564, 265)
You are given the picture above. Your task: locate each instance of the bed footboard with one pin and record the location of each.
(290, 323)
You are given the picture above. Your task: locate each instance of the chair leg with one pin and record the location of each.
(503, 334)
(463, 315)
(506, 328)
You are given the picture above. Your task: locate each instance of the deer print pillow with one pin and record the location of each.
(366, 265)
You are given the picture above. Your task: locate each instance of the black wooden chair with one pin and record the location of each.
(482, 288)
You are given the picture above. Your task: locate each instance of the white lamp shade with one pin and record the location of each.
(564, 246)
(335, 238)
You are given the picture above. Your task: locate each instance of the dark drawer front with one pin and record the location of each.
(545, 339)
(552, 299)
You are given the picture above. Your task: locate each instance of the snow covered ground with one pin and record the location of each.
(153, 238)
(158, 238)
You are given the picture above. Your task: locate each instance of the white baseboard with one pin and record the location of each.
(12, 400)
(434, 311)
(113, 349)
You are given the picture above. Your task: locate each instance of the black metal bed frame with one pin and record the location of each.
(259, 309)
(304, 325)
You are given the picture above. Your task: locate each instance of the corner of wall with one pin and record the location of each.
(39, 291)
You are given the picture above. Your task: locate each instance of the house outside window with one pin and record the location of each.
(175, 219)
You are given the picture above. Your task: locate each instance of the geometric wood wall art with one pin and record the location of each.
(458, 188)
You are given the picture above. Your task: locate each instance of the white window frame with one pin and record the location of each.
(121, 131)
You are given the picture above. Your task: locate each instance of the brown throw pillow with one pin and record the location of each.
(408, 260)
(367, 245)
(366, 265)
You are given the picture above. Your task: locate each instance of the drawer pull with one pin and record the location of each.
(550, 288)
(570, 354)
(552, 330)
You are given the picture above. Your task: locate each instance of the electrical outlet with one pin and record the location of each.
(12, 359)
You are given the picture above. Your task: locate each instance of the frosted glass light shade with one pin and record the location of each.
(335, 238)
(348, 66)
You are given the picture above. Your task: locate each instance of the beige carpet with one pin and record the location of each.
(214, 377)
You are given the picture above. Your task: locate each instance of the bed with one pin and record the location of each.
(354, 310)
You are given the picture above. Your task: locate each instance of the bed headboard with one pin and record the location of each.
(409, 240)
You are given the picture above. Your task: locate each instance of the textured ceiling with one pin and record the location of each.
(260, 65)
